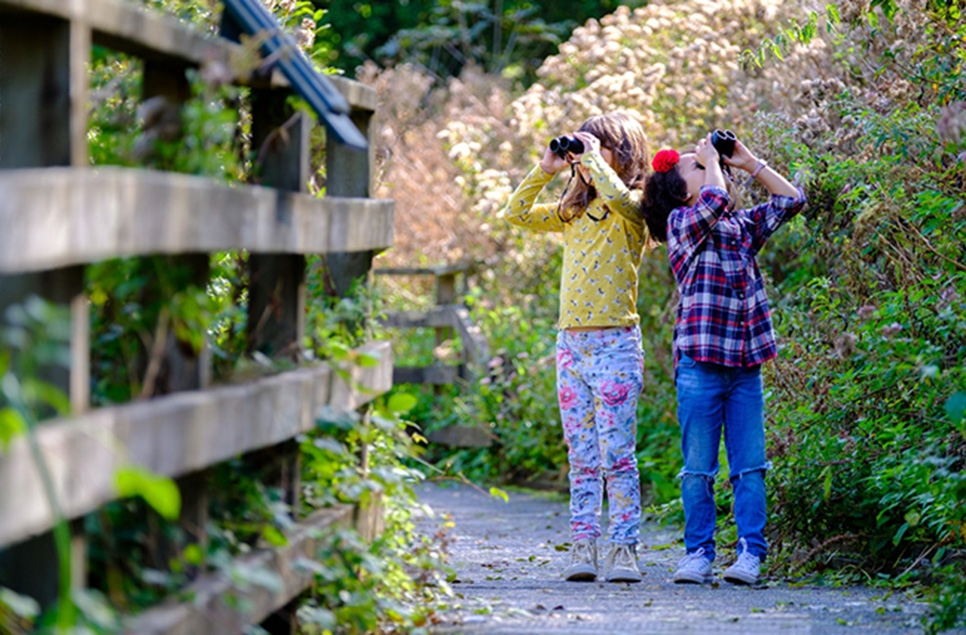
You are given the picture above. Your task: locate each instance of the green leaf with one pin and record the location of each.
(956, 409)
(499, 493)
(12, 425)
(832, 13)
(322, 618)
(160, 492)
(21, 605)
(827, 485)
(912, 517)
(367, 360)
(338, 350)
(330, 445)
(273, 536)
(193, 554)
(899, 534)
(401, 403)
(38, 391)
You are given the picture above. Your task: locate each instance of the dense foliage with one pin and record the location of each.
(507, 37)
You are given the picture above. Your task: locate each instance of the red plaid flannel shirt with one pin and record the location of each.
(723, 314)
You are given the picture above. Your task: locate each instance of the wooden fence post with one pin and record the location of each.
(182, 370)
(349, 174)
(43, 81)
(277, 289)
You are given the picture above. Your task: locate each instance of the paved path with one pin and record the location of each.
(508, 558)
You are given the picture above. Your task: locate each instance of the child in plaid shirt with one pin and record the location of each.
(722, 335)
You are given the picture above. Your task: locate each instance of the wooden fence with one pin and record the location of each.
(57, 215)
(448, 318)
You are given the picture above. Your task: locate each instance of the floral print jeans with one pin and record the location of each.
(599, 376)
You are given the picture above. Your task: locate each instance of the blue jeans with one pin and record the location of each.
(712, 397)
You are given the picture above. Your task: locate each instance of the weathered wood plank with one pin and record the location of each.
(463, 436)
(440, 270)
(60, 216)
(438, 317)
(129, 28)
(432, 375)
(359, 96)
(475, 346)
(216, 602)
(276, 282)
(172, 435)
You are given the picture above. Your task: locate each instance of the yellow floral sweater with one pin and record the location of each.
(598, 284)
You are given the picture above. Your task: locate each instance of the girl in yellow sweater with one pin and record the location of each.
(599, 357)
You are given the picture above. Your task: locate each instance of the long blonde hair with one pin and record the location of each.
(624, 136)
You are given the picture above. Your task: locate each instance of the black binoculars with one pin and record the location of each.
(565, 144)
(724, 142)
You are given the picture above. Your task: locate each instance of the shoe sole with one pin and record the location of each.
(733, 579)
(684, 579)
(624, 575)
(581, 574)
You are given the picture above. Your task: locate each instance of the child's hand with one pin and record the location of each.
(551, 163)
(706, 153)
(742, 158)
(591, 143)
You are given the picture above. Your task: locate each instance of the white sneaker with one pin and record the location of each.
(693, 568)
(583, 562)
(621, 564)
(746, 568)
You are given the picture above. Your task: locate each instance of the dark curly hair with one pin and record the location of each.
(663, 192)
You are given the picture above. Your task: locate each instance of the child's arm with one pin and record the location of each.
(614, 192)
(688, 227)
(523, 211)
(786, 199)
(616, 195)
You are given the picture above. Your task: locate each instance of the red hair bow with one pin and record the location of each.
(665, 160)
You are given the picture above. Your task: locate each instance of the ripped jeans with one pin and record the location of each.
(712, 397)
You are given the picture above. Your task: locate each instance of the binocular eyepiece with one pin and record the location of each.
(724, 142)
(565, 144)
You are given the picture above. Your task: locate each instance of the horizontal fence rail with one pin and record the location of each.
(214, 608)
(172, 436)
(446, 317)
(56, 217)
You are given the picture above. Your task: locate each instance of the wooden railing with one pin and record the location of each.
(447, 318)
(58, 214)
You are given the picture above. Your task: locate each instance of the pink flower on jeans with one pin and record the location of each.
(567, 397)
(614, 393)
(565, 359)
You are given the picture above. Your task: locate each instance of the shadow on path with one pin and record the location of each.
(508, 559)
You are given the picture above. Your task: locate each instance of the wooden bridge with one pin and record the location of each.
(58, 214)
